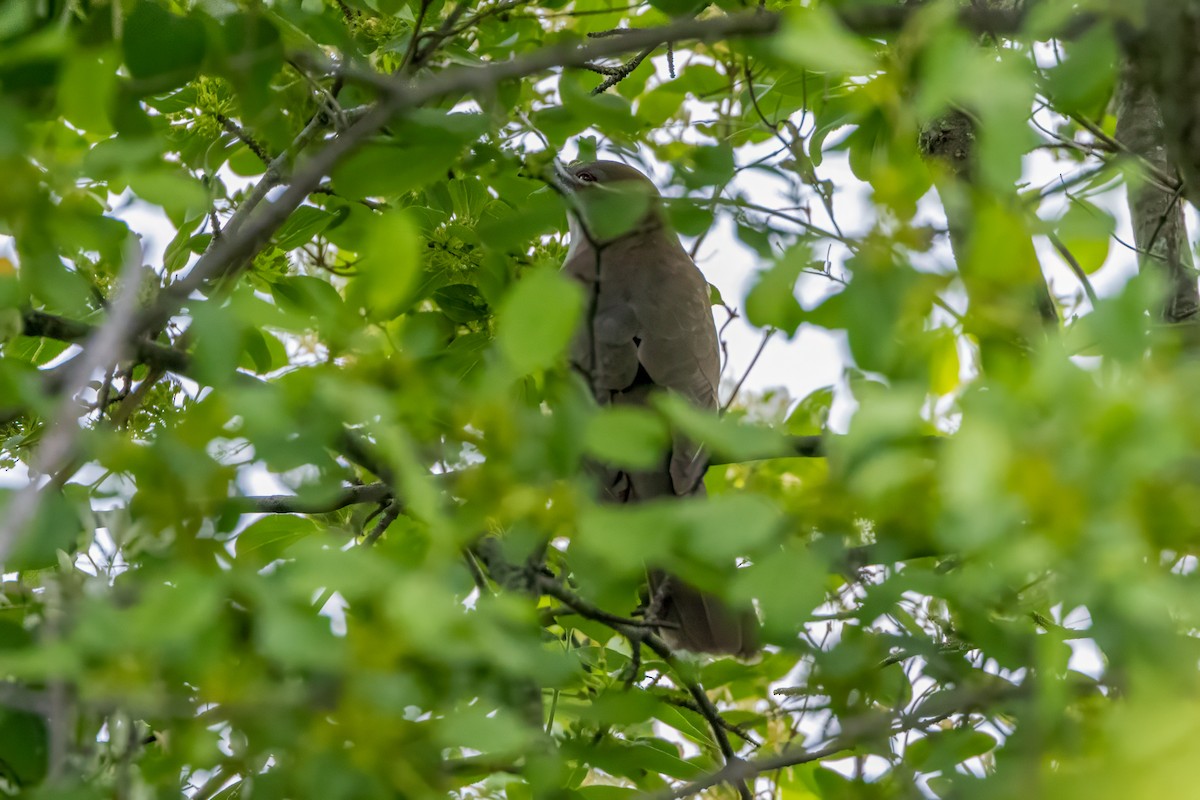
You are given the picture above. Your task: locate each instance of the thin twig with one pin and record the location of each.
(762, 345)
(810, 227)
(1166, 181)
(622, 72)
(241, 134)
(704, 706)
(1075, 266)
(738, 730)
(390, 512)
(416, 36)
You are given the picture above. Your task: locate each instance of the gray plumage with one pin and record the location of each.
(648, 326)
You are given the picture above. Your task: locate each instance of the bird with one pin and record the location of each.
(647, 327)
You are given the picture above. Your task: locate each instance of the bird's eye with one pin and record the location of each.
(587, 176)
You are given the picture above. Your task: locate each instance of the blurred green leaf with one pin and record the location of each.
(814, 39)
(628, 437)
(388, 267)
(162, 50)
(24, 747)
(772, 301)
(723, 437)
(1086, 231)
(536, 320)
(461, 302)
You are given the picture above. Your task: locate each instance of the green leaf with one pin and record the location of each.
(728, 526)
(300, 228)
(375, 170)
(218, 336)
(772, 301)
(788, 586)
(814, 39)
(251, 52)
(56, 527)
(461, 302)
(179, 249)
(296, 637)
(722, 436)
(944, 366)
(162, 50)
(625, 436)
(678, 8)
(1086, 231)
(270, 537)
(389, 266)
(708, 532)
(24, 747)
(262, 351)
(942, 750)
(612, 210)
(1084, 81)
(811, 414)
(599, 791)
(310, 297)
(36, 351)
(180, 195)
(391, 170)
(536, 320)
(86, 89)
(711, 166)
(689, 217)
(608, 111)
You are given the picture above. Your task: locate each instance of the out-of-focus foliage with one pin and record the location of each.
(327, 534)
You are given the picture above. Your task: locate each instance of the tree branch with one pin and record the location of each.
(854, 732)
(291, 504)
(52, 326)
(253, 225)
(1159, 227)
(105, 346)
(618, 74)
(637, 636)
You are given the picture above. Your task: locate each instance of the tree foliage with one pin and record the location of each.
(295, 505)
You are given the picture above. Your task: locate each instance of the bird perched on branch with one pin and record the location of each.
(648, 327)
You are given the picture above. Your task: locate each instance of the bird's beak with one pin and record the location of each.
(563, 178)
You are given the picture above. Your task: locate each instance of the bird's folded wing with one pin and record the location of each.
(680, 352)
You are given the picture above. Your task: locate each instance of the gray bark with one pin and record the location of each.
(950, 140)
(1167, 50)
(1159, 229)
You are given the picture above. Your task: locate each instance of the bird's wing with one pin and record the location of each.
(679, 350)
(649, 324)
(604, 349)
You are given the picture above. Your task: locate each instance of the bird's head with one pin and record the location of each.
(611, 199)
(611, 176)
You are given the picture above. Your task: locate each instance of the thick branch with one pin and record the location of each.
(1167, 57)
(1159, 229)
(52, 326)
(103, 348)
(291, 504)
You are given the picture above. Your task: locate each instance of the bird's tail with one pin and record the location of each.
(700, 622)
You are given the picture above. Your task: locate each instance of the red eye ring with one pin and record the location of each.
(587, 176)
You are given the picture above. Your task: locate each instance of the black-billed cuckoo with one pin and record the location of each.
(648, 326)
